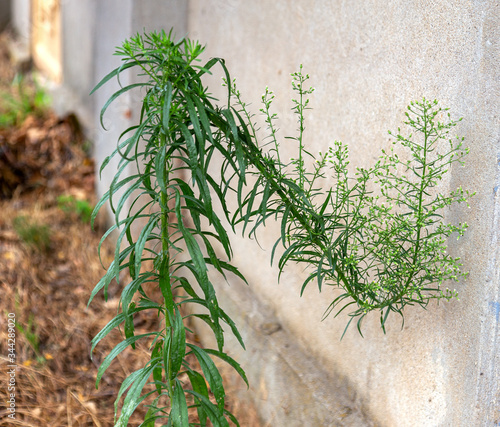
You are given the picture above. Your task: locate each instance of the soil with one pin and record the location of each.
(48, 268)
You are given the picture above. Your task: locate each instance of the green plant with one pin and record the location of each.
(384, 250)
(68, 204)
(179, 133)
(384, 247)
(23, 99)
(35, 236)
(30, 333)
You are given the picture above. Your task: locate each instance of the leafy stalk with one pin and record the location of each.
(180, 131)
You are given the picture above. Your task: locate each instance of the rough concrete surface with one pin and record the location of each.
(367, 61)
(286, 383)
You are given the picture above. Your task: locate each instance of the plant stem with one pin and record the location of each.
(164, 268)
(301, 132)
(419, 209)
(256, 160)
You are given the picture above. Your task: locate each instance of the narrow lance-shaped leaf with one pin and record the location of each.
(156, 354)
(116, 72)
(133, 398)
(115, 352)
(211, 373)
(167, 103)
(114, 96)
(179, 412)
(223, 356)
(129, 324)
(141, 242)
(178, 349)
(160, 168)
(214, 413)
(200, 387)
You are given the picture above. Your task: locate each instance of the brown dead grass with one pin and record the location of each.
(48, 286)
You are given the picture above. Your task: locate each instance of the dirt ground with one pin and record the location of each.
(48, 268)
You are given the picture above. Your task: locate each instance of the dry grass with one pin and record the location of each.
(47, 286)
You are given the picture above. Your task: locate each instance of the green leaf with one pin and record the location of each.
(179, 412)
(117, 184)
(306, 282)
(167, 102)
(226, 266)
(237, 143)
(116, 150)
(178, 349)
(233, 327)
(165, 285)
(112, 324)
(187, 287)
(149, 419)
(117, 320)
(129, 325)
(229, 360)
(193, 116)
(131, 265)
(191, 146)
(157, 370)
(214, 413)
(203, 118)
(319, 276)
(167, 351)
(127, 382)
(204, 193)
(116, 95)
(232, 418)
(133, 398)
(116, 72)
(199, 387)
(211, 373)
(206, 318)
(115, 352)
(201, 269)
(130, 290)
(194, 205)
(141, 242)
(160, 168)
(104, 282)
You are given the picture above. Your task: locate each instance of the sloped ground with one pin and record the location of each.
(48, 268)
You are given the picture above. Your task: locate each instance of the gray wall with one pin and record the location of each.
(21, 18)
(92, 30)
(367, 60)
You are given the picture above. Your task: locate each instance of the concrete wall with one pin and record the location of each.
(367, 59)
(92, 31)
(21, 18)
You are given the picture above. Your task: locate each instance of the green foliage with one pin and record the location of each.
(35, 236)
(31, 334)
(378, 236)
(23, 100)
(69, 205)
(179, 133)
